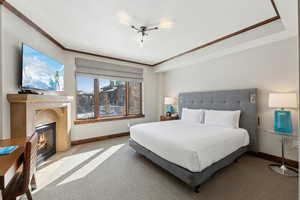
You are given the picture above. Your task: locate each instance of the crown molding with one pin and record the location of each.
(272, 19)
(30, 23)
(107, 57)
(275, 8)
(56, 42)
(221, 39)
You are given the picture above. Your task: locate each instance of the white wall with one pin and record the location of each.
(15, 32)
(273, 67)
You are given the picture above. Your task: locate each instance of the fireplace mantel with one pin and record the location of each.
(30, 98)
(27, 111)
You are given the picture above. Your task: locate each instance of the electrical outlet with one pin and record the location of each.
(253, 98)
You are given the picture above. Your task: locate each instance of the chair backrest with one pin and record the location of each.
(30, 159)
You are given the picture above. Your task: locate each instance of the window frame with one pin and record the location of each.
(98, 118)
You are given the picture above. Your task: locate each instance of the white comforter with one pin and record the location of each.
(193, 146)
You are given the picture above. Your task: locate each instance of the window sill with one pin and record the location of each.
(90, 121)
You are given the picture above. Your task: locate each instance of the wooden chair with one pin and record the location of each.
(19, 185)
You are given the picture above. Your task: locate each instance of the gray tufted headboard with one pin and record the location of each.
(244, 100)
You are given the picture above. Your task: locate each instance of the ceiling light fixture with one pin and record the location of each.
(142, 30)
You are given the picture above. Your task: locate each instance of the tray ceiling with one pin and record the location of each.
(97, 26)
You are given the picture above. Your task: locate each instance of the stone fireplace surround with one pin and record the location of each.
(28, 111)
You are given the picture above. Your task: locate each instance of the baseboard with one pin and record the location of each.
(291, 163)
(100, 138)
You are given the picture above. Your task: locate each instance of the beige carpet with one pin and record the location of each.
(111, 170)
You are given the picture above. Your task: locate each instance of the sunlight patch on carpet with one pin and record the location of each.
(62, 166)
(92, 165)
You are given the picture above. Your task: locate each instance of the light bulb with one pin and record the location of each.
(124, 18)
(165, 24)
(142, 39)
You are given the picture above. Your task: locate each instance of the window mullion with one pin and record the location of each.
(97, 100)
(126, 98)
(141, 98)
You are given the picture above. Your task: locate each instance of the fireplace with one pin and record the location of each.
(46, 141)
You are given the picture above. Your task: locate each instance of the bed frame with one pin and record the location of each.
(244, 100)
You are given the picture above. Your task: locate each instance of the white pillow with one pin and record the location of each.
(227, 119)
(192, 115)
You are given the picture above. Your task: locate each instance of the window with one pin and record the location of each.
(112, 98)
(108, 99)
(134, 97)
(85, 98)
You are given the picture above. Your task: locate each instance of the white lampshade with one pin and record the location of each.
(170, 100)
(283, 100)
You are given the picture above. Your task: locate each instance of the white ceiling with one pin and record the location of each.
(282, 29)
(94, 25)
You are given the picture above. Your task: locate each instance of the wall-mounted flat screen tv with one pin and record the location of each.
(41, 72)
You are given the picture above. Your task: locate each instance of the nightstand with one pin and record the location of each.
(165, 118)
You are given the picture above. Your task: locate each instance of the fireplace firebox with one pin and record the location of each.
(46, 141)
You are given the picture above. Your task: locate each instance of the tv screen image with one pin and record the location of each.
(40, 71)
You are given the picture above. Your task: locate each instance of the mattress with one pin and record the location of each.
(193, 146)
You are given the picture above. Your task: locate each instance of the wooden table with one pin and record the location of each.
(10, 163)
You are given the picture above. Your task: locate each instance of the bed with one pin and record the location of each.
(193, 152)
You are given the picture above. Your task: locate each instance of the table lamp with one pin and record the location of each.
(282, 118)
(169, 101)
(283, 126)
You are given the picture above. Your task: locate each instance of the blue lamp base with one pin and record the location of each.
(169, 110)
(283, 121)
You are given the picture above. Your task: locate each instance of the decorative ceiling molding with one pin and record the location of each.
(30, 23)
(48, 36)
(221, 39)
(52, 39)
(275, 8)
